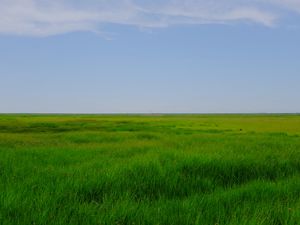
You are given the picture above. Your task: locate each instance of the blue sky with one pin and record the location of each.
(137, 56)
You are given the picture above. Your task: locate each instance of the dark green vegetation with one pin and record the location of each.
(183, 169)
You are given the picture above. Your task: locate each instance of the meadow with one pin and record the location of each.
(149, 169)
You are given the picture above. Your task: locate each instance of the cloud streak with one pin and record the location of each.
(53, 17)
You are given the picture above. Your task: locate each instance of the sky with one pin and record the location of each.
(159, 56)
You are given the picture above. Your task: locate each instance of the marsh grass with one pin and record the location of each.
(183, 169)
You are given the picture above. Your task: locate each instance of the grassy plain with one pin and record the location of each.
(150, 169)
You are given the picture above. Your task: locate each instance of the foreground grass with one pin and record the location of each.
(191, 169)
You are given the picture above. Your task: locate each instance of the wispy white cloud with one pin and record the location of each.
(51, 17)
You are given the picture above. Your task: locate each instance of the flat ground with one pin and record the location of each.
(179, 169)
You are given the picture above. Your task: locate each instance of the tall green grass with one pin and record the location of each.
(167, 169)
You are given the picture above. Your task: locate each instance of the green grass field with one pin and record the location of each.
(156, 169)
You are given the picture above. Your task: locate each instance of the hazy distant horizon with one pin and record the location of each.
(148, 114)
